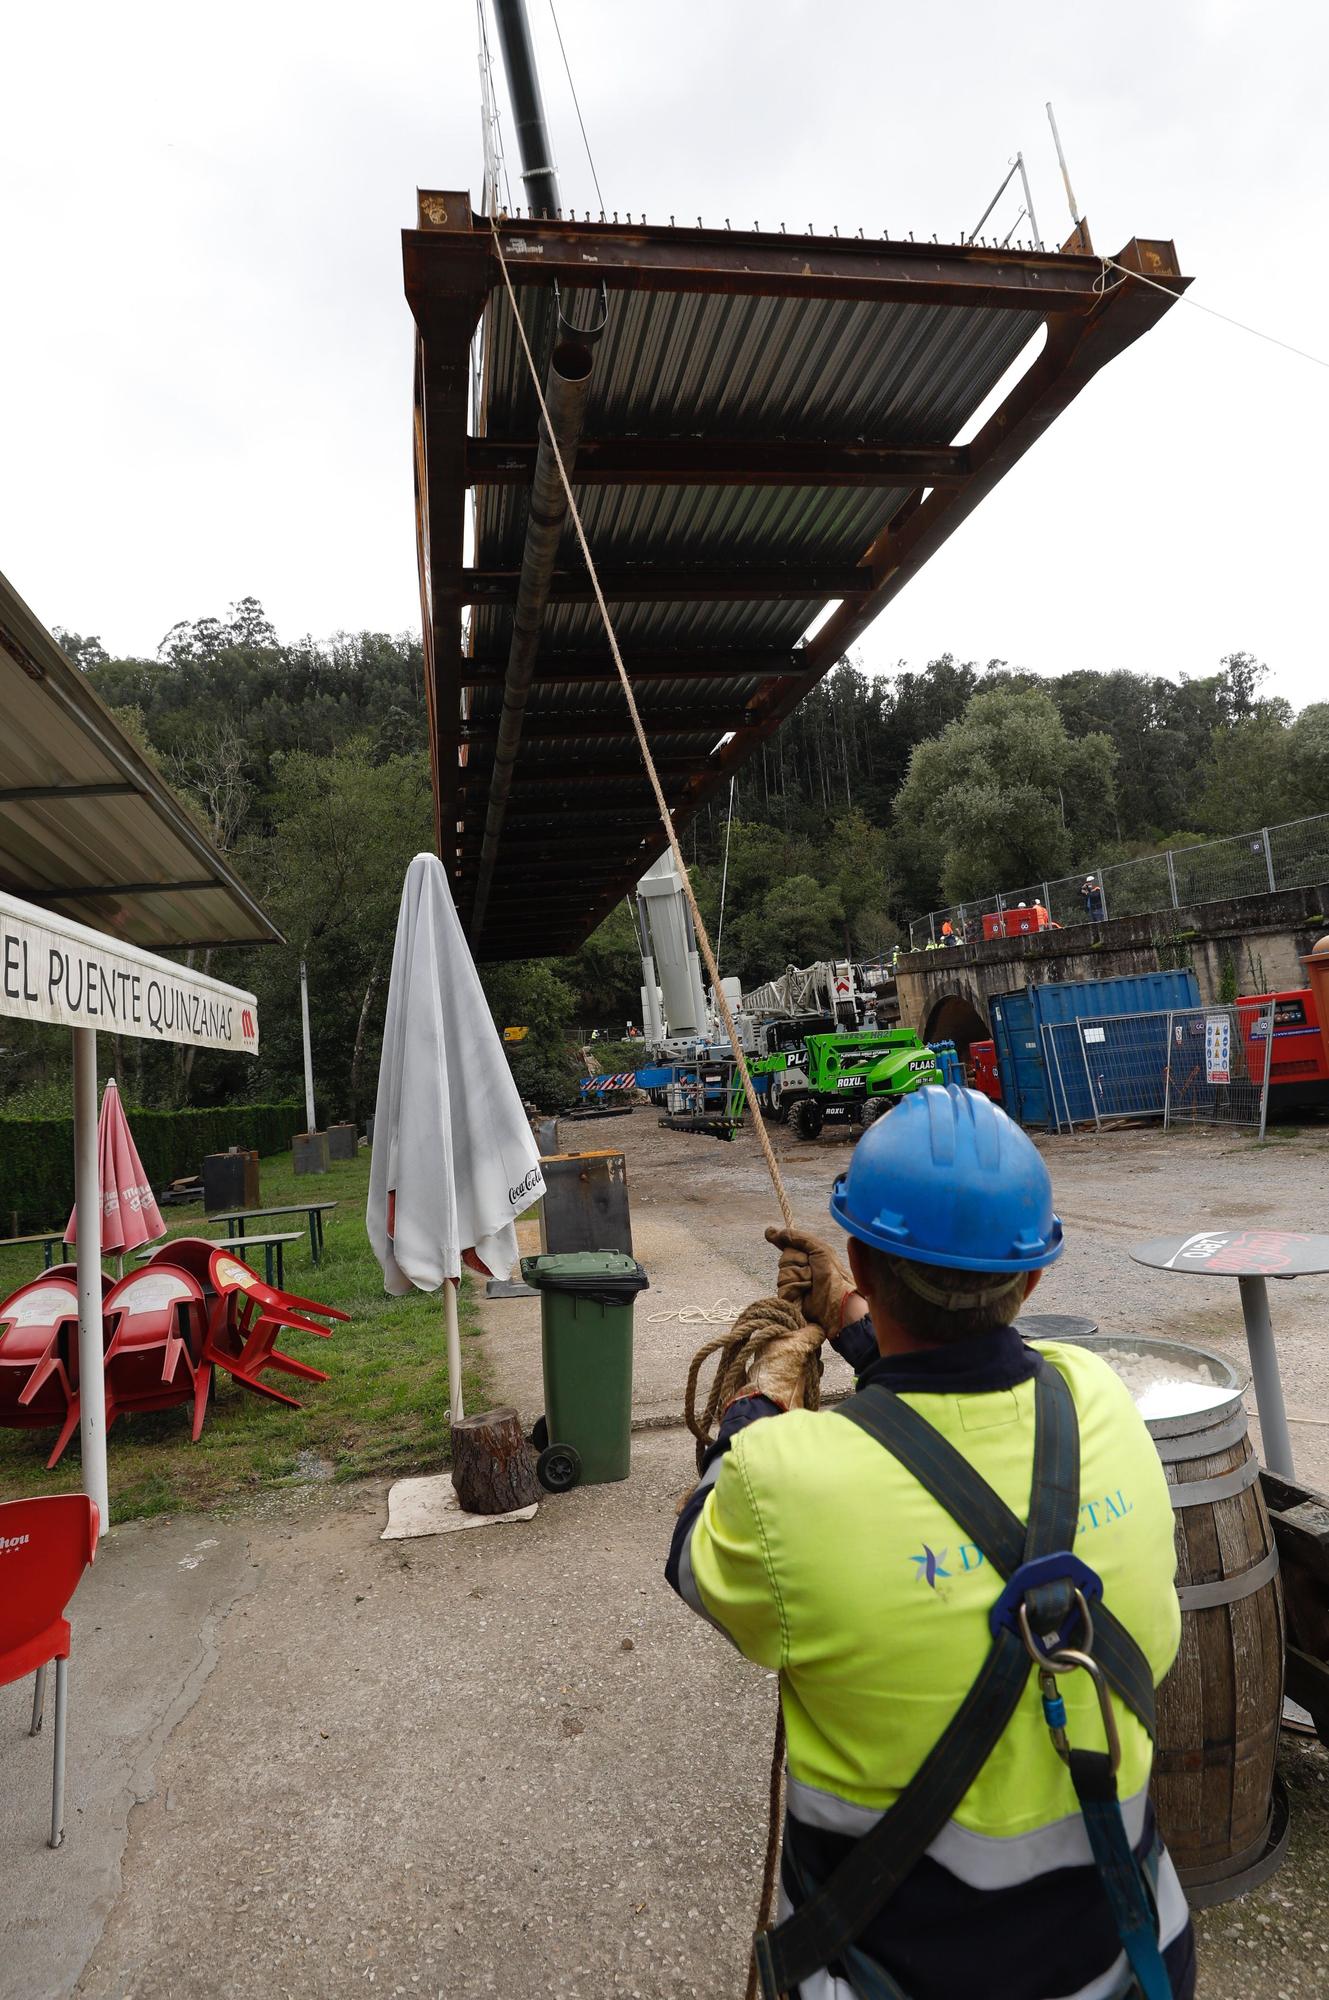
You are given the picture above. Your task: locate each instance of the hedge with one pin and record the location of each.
(37, 1154)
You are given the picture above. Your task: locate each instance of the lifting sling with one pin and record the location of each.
(1042, 1618)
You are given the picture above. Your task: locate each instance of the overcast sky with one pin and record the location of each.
(205, 353)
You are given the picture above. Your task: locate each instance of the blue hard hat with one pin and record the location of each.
(947, 1178)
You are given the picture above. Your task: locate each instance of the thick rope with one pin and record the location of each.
(763, 1328)
(666, 820)
(759, 1325)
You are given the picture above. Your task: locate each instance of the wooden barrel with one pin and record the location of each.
(1219, 1708)
(1219, 1810)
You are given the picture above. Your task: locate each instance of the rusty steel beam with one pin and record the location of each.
(1088, 321)
(658, 583)
(656, 721)
(566, 389)
(442, 385)
(568, 670)
(1074, 352)
(545, 839)
(552, 779)
(703, 461)
(753, 263)
(533, 864)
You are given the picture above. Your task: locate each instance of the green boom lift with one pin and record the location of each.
(851, 1078)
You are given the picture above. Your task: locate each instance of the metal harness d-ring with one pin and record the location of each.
(1064, 1661)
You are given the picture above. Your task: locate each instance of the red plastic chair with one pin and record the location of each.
(244, 1325)
(71, 1271)
(45, 1546)
(39, 1358)
(157, 1319)
(194, 1254)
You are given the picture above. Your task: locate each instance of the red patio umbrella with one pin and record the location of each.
(130, 1215)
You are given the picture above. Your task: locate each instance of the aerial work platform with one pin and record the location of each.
(763, 425)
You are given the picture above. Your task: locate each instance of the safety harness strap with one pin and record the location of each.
(1123, 1881)
(825, 1926)
(989, 1523)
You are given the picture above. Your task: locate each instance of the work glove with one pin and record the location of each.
(779, 1369)
(812, 1277)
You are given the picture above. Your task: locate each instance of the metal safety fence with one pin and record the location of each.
(1187, 1066)
(1293, 856)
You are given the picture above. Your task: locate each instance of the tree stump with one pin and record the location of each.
(492, 1468)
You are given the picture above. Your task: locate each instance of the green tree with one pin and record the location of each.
(1308, 762)
(343, 829)
(1251, 781)
(84, 652)
(605, 973)
(531, 994)
(797, 921)
(1003, 796)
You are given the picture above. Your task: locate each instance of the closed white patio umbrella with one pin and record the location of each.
(455, 1161)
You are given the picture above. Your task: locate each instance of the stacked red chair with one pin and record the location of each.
(191, 1309)
(71, 1271)
(45, 1546)
(39, 1358)
(154, 1357)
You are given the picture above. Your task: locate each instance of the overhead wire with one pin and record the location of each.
(577, 108)
(489, 105)
(1185, 299)
(724, 876)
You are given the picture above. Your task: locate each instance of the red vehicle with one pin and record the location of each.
(1299, 1068)
(983, 1068)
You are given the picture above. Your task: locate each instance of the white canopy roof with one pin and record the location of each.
(87, 826)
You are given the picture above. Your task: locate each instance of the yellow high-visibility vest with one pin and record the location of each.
(821, 1556)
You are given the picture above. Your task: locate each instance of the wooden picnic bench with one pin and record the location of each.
(48, 1238)
(267, 1244)
(236, 1218)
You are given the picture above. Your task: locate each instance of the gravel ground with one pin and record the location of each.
(306, 1762)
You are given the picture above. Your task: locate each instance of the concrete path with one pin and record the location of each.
(147, 1623)
(497, 1763)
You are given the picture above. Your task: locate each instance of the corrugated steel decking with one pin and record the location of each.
(769, 429)
(87, 827)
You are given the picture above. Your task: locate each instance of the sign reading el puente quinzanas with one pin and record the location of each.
(52, 969)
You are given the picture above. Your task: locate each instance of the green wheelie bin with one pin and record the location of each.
(586, 1299)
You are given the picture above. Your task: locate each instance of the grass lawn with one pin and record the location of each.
(383, 1410)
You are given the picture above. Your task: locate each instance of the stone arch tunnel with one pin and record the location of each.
(957, 1017)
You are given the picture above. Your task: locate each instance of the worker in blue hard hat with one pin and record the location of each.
(963, 1575)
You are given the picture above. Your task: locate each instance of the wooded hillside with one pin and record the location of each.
(885, 795)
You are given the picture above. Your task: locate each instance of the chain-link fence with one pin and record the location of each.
(1218, 1066)
(1294, 856)
(1191, 1065)
(1104, 1067)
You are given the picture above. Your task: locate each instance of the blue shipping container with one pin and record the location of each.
(1033, 1096)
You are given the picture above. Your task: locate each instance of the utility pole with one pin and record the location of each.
(310, 1123)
